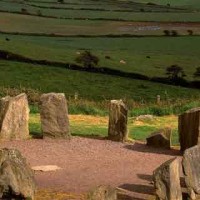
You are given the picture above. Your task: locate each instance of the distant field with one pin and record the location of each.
(90, 86)
(163, 51)
(180, 3)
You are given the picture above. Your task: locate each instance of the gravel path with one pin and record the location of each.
(89, 162)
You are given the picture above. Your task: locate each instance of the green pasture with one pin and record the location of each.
(162, 51)
(89, 86)
(96, 126)
(114, 12)
(195, 4)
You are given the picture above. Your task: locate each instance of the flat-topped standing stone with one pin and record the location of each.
(54, 115)
(191, 170)
(160, 139)
(14, 118)
(118, 117)
(167, 180)
(189, 128)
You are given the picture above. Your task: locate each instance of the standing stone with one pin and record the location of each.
(16, 177)
(167, 180)
(54, 115)
(14, 117)
(191, 170)
(189, 128)
(118, 117)
(103, 193)
(160, 139)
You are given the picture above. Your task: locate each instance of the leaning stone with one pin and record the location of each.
(16, 177)
(166, 180)
(14, 118)
(191, 170)
(54, 115)
(189, 128)
(160, 139)
(117, 130)
(103, 193)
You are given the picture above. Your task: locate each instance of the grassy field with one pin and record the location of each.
(163, 51)
(88, 126)
(34, 24)
(89, 86)
(195, 4)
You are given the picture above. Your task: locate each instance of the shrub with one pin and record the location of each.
(197, 73)
(87, 59)
(166, 32)
(174, 33)
(190, 32)
(175, 73)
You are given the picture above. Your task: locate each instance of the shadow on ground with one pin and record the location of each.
(147, 149)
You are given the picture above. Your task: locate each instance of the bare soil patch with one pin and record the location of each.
(86, 163)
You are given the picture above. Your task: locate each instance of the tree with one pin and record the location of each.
(197, 73)
(166, 32)
(60, 1)
(175, 72)
(87, 59)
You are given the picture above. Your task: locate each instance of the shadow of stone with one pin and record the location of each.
(127, 197)
(147, 149)
(143, 189)
(36, 135)
(91, 136)
(145, 177)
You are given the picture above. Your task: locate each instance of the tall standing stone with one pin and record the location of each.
(54, 115)
(167, 180)
(189, 128)
(191, 170)
(118, 117)
(14, 117)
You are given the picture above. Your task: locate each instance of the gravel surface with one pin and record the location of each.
(86, 163)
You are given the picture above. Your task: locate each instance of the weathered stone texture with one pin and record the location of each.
(167, 180)
(160, 139)
(118, 117)
(189, 128)
(103, 193)
(16, 177)
(14, 118)
(191, 169)
(54, 115)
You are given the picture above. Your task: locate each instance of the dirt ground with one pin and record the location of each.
(86, 163)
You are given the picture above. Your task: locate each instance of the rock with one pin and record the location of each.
(166, 180)
(118, 117)
(145, 118)
(14, 118)
(103, 193)
(160, 139)
(46, 168)
(16, 177)
(191, 170)
(189, 128)
(54, 115)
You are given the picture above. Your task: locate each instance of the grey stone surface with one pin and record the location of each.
(160, 138)
(167, 180)
(118, 117)
(14, 118)
(16, 177)
(189, 128)
(54, 115)
(103, 193)
(191, 169)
